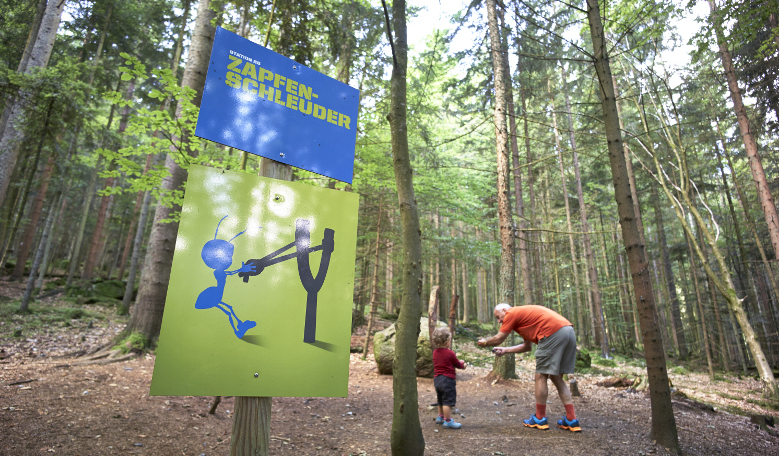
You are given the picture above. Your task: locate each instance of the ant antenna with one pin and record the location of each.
(231, 240)
(217, 228)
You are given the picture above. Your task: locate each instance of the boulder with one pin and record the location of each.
(384, 349)
(109, 288)
(97, 290)
(583, 359)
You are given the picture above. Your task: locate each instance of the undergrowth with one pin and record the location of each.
(38, 315)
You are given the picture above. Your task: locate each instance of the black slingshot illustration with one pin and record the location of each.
(311, 284)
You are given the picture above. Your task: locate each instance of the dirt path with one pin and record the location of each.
(48, 408)
(86, 410)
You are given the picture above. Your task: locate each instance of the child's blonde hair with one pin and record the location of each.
(441, 337)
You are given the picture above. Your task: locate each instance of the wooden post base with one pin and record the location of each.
(251, 426)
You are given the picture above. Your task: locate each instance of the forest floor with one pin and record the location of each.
(50, 404)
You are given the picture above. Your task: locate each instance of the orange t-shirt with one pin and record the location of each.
(533, 322)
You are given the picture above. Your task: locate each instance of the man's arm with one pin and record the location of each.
(497, 339)
(521, 348)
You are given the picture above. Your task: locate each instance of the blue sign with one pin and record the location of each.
(264, 103)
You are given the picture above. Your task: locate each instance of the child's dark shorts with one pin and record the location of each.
(446, 390)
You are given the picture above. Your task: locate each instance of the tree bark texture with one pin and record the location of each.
(663, 421)
(251, 424)
(504, 365)
(406, 437)
(13, 133)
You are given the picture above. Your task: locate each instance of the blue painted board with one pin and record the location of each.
(264, 103)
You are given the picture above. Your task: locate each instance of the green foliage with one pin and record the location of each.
(679, 370)
(155, 132)
(605, 362)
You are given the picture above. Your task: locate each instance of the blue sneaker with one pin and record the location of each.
(572, 426)
(534, 422)
(451, 424)
(439, 419)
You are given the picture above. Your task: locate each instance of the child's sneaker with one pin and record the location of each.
(572, 426)
(451, 424)
(534, 422)
(439, 419)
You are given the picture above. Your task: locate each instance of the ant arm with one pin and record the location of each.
(245, 267)
(259, 264)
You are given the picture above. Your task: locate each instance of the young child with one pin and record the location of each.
(445, 362)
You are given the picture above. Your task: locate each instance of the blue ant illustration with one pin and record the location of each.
(217, 254)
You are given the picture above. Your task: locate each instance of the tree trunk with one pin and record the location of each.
(147, 317)
(38, 258)
(524, 262)
(389, 303)
(37, 207)
(47, 248)
(571, 242)
(747, 217)
(432, 312)
(723, 281)
(406, 437)
(13, 134)
(88, 197)
(706, 343)
(22, 206)
(663, 421)
(374, 287)
(25, 245)
(466, 315)
(601, 339)
(174, 65)
(631, 174)
(130, 286)
(504, 365)
(624, 299)
(670, 283)
(97, 234)
(750, 145)
(532, 252)
(31, 37)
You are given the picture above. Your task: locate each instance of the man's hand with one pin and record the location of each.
(481, 343)
(499, 351)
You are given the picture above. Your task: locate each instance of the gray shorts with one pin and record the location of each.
(556, 354)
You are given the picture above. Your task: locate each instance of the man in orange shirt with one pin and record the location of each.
(556, 355)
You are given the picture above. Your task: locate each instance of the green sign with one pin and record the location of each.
(260, 294)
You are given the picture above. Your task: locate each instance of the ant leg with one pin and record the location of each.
(232, 311)
(230, 314)
(242, 326)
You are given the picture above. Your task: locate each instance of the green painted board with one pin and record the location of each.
(260, 294)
